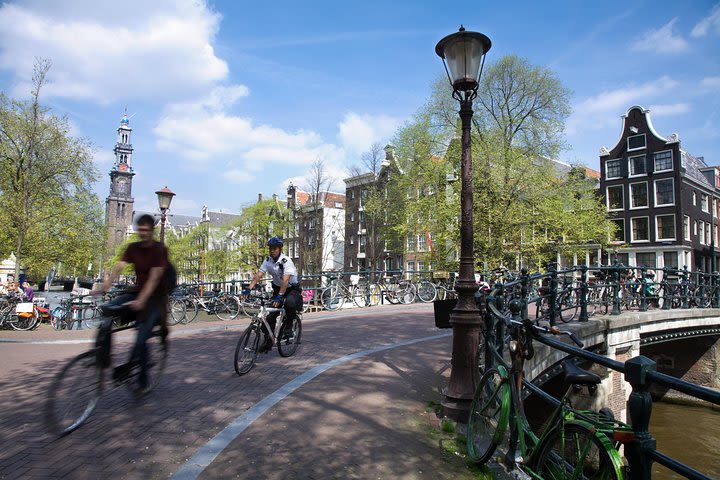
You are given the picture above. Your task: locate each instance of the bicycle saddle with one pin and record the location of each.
(576, 375)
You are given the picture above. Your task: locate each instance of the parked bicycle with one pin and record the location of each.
(394, 289)
(214, 302)
(75, 311)
(337, 293)
(573, 444)
(286, 336)
(78, 387)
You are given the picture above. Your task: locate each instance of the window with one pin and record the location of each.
(619, 234)
(670, 259)
(663, 161)
(615, 198)
(411, 243)
(411, 266)
(640, 231)
(638, 195)
(636, 142)
(422, 243)
(352, 239)
(694, 199)
(695, 228)
(701, 232)
(665, 225)
(665, 192)
(352, 217)
(708, 231)
(686, 227)
(637, 165)
(613, 169)
(645, 259)
(704, 204)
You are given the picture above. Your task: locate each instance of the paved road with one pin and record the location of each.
(345, 422)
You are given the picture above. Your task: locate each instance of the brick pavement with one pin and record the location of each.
(361, 419)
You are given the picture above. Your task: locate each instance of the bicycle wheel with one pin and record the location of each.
(426, 291)
(568, 305)
(176, 307)
(227, 308)
(57, 318)
(246, 351)
(489, 415)
(19, 322)
(290, 333)
(191, 311)
(74, 393)
(92, 319)
(406, 293)
(157, 351)
(375, 294)
(361, 295)
(332, 298)
(576, 452)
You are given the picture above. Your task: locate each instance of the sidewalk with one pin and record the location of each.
(355, 402)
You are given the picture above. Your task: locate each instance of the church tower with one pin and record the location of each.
(119, 204)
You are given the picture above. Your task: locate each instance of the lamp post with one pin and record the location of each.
(463, 55)
(165, 197)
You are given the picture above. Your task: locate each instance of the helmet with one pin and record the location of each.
(275, 242)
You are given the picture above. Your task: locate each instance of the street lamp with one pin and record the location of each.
(463, 55)
(165, 197)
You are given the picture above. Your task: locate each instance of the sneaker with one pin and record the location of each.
(266, 346)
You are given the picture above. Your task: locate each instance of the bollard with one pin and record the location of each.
(616, 290)
(639, 410)
(664, 285)
(685, 287)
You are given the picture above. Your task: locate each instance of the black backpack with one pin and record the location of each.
(171, 276)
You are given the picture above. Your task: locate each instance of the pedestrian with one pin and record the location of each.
(29, 292)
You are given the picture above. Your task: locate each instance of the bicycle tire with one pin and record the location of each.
(375, 294)
(227, 308)
(74, 394)
(20, 323)
(361, 296)
(489, 415)
(332, 298)
(246, 351)
(176, 308)
(578, 445)
(95, 319)
(426, 291)
(287, 346)
(157, 353)
(407, 294)
(191, 311)
(568, 306)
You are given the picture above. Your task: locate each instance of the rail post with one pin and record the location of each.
(715, 290)
(616, 289)
(552, 304)
(685, 287)
(665, 293)
(642, 284)
(583, 294)
(639, 411)
(524, 291)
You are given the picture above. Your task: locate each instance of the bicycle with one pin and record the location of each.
(77, 388)
(394, 288)
(566, 302)
(335, 295)
(223, 305)
(75, 310)
(573, 444)
(286, 336)
(17, 314)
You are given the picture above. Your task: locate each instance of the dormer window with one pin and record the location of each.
(636, 142)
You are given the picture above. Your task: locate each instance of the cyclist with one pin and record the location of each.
(286, 287)
(150, 259)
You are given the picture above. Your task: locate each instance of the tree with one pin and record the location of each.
(257, 223)
(47, 207)
(318, 186)
(517, 128)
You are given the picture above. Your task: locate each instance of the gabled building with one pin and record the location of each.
(316, 243)
(663, 200)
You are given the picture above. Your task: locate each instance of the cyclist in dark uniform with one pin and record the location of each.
(285, 285)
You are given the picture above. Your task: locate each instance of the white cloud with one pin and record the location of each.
(358, 132)
(709, 24)
(710, 83)
(604, 109)
(668, 110)
(239, 176)
(664, 40)
(167, 48)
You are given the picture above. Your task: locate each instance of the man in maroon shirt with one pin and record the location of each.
(150, 259)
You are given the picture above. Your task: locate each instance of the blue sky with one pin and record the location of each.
(234, 98)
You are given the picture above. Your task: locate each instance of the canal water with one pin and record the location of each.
(688, 434)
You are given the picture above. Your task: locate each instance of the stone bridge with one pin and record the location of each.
(683, 342)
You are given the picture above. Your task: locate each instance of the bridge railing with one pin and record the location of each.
(640, 372)
(578, 292)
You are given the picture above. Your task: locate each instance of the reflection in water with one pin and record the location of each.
(687, 434)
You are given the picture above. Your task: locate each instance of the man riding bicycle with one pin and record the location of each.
(285, 285)
(150, 259)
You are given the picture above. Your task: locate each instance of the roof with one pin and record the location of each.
(693, 166)
(329, 199)
(220, 219)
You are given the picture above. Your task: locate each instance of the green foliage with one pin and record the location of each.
(257, 223)
(47, 207)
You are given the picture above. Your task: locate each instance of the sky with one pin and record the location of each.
(231, 99)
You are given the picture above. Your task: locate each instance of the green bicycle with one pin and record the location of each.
(574, 444)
